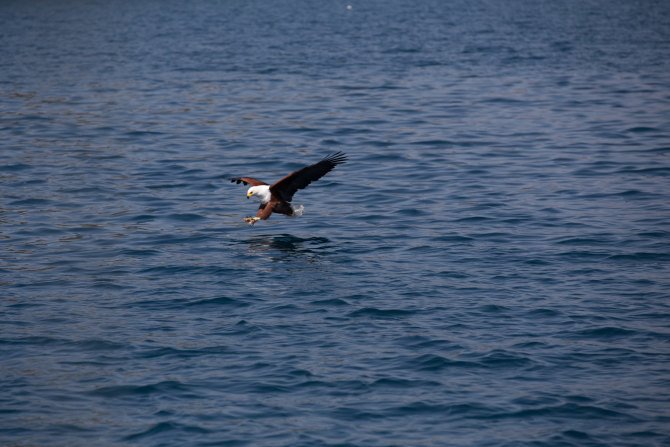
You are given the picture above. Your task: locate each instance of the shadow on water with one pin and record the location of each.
(286, 247)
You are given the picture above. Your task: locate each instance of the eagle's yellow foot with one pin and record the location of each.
(251, 220)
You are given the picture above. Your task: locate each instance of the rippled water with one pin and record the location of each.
(490, 268)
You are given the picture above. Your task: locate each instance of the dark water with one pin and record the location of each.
(491, 268)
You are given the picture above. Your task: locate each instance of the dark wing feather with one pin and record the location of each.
(247, 181)
(286, 187)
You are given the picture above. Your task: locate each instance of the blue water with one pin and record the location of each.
(490, 268)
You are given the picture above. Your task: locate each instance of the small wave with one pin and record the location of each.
(433, 143)
(139, 252)
(583, 255)
(30, 201)
(99, 345)
(33, 340)
(185, 217)
(503, 359)
(642, 129)
(494, 308)
(242, 327)
(176, 239)
(190, 269)
(660, 170)
(183, 353)
(331, 302)
(568, 410)
(545, 313)
(642, 256)
(163, 427)
(116, 391)
(473, 219)
(536, 262)
(660, 234)
(218, 301)
(417, 342)
(141, 133)
(168, 186)
(141, 218)
(434, 362)
(374, 312)
(394, 382)
(454, 275)
(460, 410)
(607, 332)
(412, 212)
(502, 100)
(16, 167)
(452, 238)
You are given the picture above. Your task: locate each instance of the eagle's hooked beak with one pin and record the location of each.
(249, 195)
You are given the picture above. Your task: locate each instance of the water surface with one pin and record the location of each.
(490, 268)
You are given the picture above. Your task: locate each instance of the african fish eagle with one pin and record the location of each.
(277, 198)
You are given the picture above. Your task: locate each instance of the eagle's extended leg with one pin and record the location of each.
(264, 212)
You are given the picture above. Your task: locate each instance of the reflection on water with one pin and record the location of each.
(286, 247)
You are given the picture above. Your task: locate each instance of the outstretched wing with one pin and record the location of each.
(247, 181)
(286, 187)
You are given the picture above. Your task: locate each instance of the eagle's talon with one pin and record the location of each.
(251, 220)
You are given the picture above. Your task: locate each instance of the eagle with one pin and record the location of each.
(277, 198)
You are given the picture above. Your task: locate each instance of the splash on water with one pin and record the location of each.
(298, 211)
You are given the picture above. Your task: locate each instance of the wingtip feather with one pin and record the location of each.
(337, 158)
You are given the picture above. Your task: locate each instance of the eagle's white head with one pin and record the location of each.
(260, 191)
